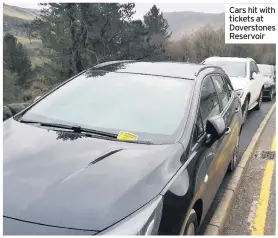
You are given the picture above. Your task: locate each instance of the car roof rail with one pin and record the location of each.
(112, 62)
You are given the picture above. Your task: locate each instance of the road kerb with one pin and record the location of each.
(235, 180)
(212, 230)
(224, 205)
(219, 219)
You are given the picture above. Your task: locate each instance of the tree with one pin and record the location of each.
(157, 34)
(156, 24)
(16, 59)
(208, 41)
(53, 28)
(134, 44)
(30, 30)
(78, 35)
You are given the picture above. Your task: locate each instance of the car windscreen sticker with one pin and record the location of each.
(123, 135)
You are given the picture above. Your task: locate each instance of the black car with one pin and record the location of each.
(122, 148)
(269, 72)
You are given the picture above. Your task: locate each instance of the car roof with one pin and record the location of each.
(165, 69)
(235, 59)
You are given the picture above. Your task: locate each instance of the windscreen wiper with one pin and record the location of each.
(77, 129)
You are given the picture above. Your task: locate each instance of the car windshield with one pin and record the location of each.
(265, 70)
(232, 68)
(152, 107)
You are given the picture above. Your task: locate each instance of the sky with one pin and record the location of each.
(143, 8)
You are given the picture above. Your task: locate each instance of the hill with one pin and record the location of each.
(18, 12)
(185, 23)
(180, 23)
(14, 17)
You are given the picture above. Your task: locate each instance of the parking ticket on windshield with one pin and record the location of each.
(123, 135)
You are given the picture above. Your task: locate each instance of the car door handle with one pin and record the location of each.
(237, 110)
(228, 130)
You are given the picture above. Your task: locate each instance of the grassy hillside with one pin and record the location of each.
(14, 17)
(185, 23)
(21, 13)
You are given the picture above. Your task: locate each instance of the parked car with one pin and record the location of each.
(246, 80)
(269, 80)
(123, 148)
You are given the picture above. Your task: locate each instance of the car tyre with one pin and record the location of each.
(270, 97)
(191, 227)
(234, 162)
(245, 110)
(259, 100)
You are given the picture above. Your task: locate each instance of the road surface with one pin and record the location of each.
(254, 210)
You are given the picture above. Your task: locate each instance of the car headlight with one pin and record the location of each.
(145, 221)
(239, 92)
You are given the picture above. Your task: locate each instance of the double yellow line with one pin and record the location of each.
(261, 213)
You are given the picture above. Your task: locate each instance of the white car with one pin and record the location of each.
(269, 72)
(246, 79)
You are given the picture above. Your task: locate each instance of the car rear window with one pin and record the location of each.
(232, 68)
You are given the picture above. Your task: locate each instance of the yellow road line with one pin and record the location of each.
(273, 145)
(259, 221)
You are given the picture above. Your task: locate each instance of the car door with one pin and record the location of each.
(256, 82)
(252, 84)
(230, 109)
(260, 79)
(235, 114)
(209, 106)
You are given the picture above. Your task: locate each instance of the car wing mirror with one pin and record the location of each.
(215, 128)
(253, 75)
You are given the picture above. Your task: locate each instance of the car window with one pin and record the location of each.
(254, 67)
(232, 68)
(209, 103)
(198, 129)
(251, 68)
(266, 70)
(228, 86)
(221, 89)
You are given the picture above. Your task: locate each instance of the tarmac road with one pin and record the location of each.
(253, 122)
(254, 212)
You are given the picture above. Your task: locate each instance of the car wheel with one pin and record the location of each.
(259, 100)
(245, 110)
(270, 97)
(191, 224)
(234, 161)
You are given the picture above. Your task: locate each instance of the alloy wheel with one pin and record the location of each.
(245, 111)
(260, 99)
(270, 94)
